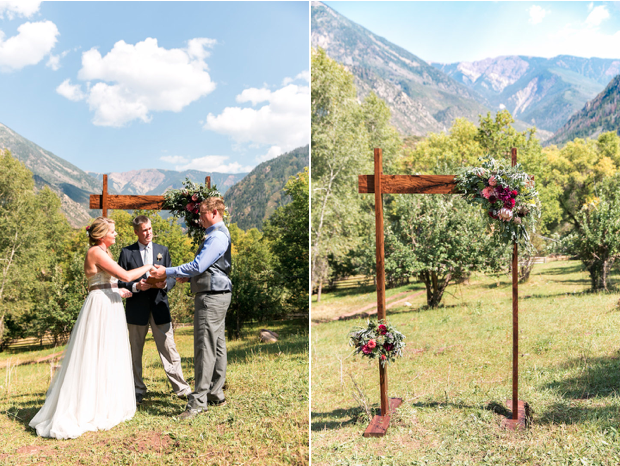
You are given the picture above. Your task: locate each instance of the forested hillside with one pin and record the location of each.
(251, 201)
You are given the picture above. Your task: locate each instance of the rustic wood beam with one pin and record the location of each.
(409, 184)
(124, 201)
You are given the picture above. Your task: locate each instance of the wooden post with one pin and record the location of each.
(379, 424)
(208, 181)
(515, 318)
(520, 409)
(104, 197)
(380, 253)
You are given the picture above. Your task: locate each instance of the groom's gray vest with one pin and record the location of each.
(216, 277)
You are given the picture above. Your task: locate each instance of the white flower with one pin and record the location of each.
(159, 256)
(505, 214)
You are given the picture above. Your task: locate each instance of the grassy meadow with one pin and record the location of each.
(265, 421)
(456, 375)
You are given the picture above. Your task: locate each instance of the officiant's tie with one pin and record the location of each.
(147, 258)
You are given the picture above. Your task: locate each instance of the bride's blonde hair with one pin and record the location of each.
(98, 229)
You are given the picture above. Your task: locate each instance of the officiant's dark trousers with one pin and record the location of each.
(209, 349)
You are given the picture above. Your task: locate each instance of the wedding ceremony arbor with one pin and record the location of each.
(380, 184)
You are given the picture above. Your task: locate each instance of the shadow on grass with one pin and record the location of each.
(595, 387)
(338, 418)
(24, 411)
(30, 348)
(577, 268)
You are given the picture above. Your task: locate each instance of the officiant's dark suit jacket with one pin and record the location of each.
(155, 300)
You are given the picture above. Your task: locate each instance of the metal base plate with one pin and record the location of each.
(379, 424)
(524, 416)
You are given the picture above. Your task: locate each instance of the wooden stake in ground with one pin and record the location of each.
(380, 184)
(127, 202)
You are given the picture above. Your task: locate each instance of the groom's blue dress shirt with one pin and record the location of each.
(211, 250)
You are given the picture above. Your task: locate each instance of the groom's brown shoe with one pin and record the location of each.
(190, 413)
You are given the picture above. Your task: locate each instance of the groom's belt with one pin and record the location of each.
(103, 286)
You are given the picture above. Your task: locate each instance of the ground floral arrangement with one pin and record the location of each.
(185, 203)
(378, 340)
(507, 194)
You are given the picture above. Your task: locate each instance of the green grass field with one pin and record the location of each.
(456, 375)
(265, 421)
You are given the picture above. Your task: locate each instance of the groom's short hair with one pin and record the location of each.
(213, 203)
(139, 220)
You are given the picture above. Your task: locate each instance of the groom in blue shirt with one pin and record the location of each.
(209, 276)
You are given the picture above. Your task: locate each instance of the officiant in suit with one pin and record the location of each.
(149, 306)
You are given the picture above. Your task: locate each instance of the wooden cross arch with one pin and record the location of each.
(107, 201)
(380, 184)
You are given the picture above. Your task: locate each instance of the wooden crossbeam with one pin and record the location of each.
(106, 201)
(119, 201)
(409, 184)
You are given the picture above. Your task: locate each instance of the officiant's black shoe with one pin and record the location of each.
(216, 403)
(139, 398)
(190, 413)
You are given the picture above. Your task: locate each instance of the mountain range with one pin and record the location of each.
(154, 181)
(426, 97)
(422, 98)
(544, 92)
(599, 115)
(74, 186)
(252, 200)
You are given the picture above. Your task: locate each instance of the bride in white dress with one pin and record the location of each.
(94, 387)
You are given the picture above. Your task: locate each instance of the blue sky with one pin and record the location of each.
(448, 32)
(119, 86)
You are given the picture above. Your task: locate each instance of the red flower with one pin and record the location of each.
(372, 344)
(196, 209)
(190, 207)
(382, 329)
(195, 197)
(366, 349)
(515, 192)
(388, 346)
(383, 357)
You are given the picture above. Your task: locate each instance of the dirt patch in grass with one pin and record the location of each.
(33, 450)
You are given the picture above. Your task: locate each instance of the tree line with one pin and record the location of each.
(439, 239)
(42, 281)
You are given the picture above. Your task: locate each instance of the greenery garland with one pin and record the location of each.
(507, 194)
(185, 203)
(377, 340)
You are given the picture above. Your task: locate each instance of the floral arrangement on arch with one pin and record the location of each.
(185, 203)
(507, 194)
(378, 340)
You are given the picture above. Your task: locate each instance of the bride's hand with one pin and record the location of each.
(125, 293)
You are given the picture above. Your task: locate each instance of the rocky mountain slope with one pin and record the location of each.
(544, 92)
(65, 179)
(421, 97)
(252, 200)
(600, 115)
(74, 186)
(155, 181)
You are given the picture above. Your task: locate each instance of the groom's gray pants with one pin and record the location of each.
(164, 340)
(209, 349)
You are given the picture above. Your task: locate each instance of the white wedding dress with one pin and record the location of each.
(94, 388)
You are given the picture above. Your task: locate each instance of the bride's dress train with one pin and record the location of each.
(94, 387)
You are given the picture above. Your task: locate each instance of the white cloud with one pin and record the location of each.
(581, 42)
(283, 121)
(174, 159)
(132, 81)
(304, 75)
(54, 60)
(32, 43)
(272, 153)
(25, 8)
(597, 16)
(71, 91)
(537, 13)
(214, 163)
